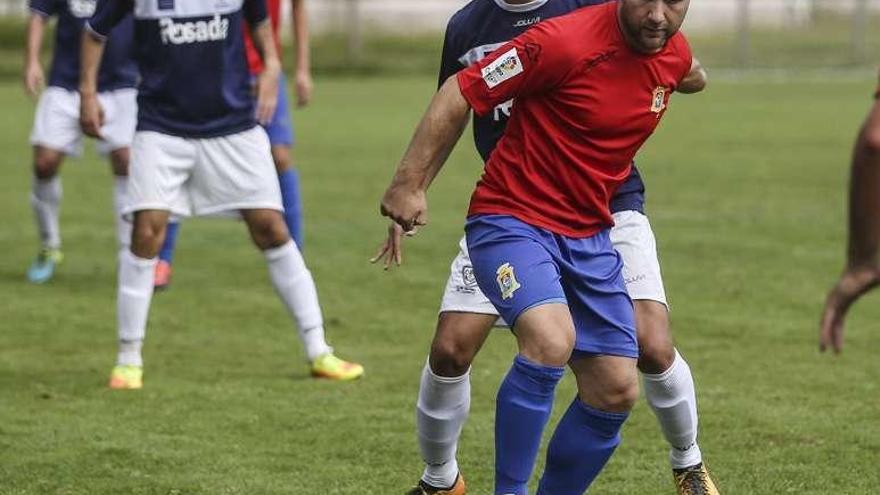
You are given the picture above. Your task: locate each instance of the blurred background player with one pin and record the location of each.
(467, 316)
(541, 247)
(198, 150)
(862, 271)
(279, 129)
(56, 132)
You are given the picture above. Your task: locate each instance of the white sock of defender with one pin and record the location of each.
(294, 284)
(46, 203)
(133, 305)
(672, 396)
(120, 198)
(441, 411)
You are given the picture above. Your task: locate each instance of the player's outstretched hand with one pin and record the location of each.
(853, 284)
(407, 206)
(391, 251)
(33, 79)
(267, 93)
(304, 87)
(91, 115)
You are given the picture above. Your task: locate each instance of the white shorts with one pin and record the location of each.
(56, 123)
(632, 237)
(208, 176)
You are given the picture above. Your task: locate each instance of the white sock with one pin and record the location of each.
(441, 411)
(133, 305)
(120, 198)
(46, 203)
(294, 284)
(672, 396)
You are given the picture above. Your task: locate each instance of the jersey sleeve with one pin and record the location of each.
(683, 48)
(449, 65)
(255, 11)
(45, 8)
(533, 62)
(107, 15)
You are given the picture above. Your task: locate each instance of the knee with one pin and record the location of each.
(146, 237)
(617, 397)
(46, 165)
(549, 351)
(269, 231)
(450, 356)
(656, 351)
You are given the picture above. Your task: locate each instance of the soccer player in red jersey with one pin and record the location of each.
(862, 272)
(590, 88)
(279, 129)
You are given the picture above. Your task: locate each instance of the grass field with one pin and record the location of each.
(746, 194)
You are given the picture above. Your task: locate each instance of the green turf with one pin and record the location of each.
(746, 196)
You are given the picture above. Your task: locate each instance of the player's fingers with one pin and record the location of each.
(382, 250)
(825, 328)
(396, 249)
(837, 336)
(263, 112)
(89, 127)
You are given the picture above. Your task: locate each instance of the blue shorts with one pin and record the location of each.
(518, 267)
(280, 128)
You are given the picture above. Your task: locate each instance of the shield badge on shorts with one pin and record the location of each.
(507, 282)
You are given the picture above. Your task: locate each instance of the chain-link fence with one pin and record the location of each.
(378, 35)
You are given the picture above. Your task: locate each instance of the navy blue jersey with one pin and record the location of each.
(482, 26)
(118, 69)
(195, 81)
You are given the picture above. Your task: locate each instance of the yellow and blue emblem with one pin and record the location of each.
(507, 282)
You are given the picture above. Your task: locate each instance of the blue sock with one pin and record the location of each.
(522, 409)
(581, 445)
(290, 198)
(167, 252)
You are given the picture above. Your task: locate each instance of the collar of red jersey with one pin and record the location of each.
(520, 7)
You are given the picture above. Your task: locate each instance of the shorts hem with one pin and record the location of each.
(129, 211)
(234, 207)
(650, 298)
(288, 143)
(75, 153)
(542, 302)
(594, 350)
(461, 309)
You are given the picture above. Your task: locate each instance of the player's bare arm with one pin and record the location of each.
(696, 79)
(91, 115)
(303, 74)
(862, 272)
(267, 83)
(33, 76)
(405, 200)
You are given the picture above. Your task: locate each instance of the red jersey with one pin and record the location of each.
(585, 104)
(255, 62)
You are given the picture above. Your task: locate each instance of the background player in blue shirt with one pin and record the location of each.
(56, 132)
(467, 317)
(198, 150)
(279, 129)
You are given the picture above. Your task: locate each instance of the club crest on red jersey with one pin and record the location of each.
(658, 100)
